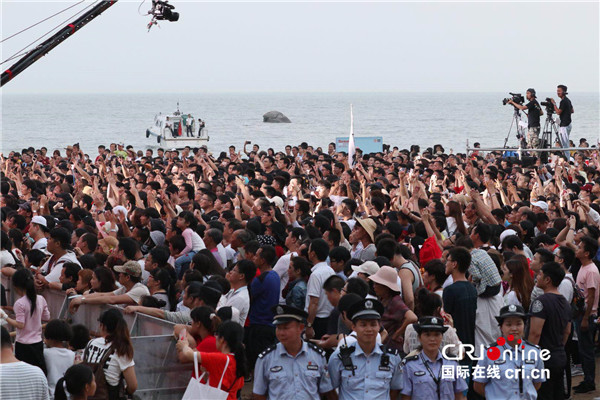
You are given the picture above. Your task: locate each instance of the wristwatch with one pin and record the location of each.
(309, 325)
(82, 299)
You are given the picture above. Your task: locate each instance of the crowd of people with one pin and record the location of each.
(407, 273)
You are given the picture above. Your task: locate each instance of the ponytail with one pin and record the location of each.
(74, 381)
(207, 318)
(23, 279)
(233, 334)
(59, 391)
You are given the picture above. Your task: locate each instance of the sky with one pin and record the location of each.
(313, 47)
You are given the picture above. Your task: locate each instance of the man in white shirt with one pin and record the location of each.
(239, 278)
(58, 243)
(317, 305)
(292, 242)
(37, 231)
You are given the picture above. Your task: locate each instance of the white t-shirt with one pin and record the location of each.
(58, 360)
(20, 380)
(511, 298)
(223, 254)
(281, 267)
(239, 299)
(566, 287)
(6, 258)
(351, 340)
(96, 349)
(320, 273)
(197, 242)
(41, 244)
(137, 291)
(53, 272)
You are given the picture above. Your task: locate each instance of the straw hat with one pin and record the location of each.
(386, 276)
(368, 225)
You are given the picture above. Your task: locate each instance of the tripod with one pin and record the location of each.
(516, 119)
(546, 139)
(549, 128)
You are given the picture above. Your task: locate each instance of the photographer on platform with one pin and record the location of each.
(533, 118)
(564, 110)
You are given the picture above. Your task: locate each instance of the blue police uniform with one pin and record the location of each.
(423, 379)
(278, 375)
(508, 383)
(370, 376)
(513, 375)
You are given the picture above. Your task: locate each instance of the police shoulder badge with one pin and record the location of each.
(537, 306)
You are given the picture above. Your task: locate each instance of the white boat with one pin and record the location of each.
(172, 131)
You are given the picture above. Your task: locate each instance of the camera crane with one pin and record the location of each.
(161, 10)
(63, 34)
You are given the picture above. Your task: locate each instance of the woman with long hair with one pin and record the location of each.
(114, 340)
(78, 381)
(454, 218)
(161, 287)
(516, 273)
(207, 264)
(103, 281)
(229, 363)
(30, 310)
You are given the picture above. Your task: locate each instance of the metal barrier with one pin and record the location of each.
(159, 374)
(57, 302)
(519, 150)
(10, 293)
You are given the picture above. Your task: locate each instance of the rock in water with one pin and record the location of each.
(275, 116)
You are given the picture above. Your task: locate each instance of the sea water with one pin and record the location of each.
(402, 119)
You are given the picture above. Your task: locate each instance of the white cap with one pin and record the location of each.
(368, 267)
(40, 221)
(541, 204)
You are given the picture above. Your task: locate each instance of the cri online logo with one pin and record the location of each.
(494, 353)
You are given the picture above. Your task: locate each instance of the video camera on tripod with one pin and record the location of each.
(516, 97)
(549, 106)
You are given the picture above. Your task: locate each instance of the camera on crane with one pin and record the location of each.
(162, 10)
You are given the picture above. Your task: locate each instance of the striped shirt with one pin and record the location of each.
(22, 381)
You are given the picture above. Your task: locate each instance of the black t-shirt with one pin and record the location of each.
(533, 114)
(460, 301)
(556, 311)
(567, 110)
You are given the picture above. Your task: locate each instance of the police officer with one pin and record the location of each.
(423, 376)
(512, 368)
(291, 369)
(366, 370)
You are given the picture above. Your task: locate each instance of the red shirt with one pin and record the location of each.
(214, 363)
(207, 345)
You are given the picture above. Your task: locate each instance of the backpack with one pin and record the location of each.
(578, 301)
(103, 390)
